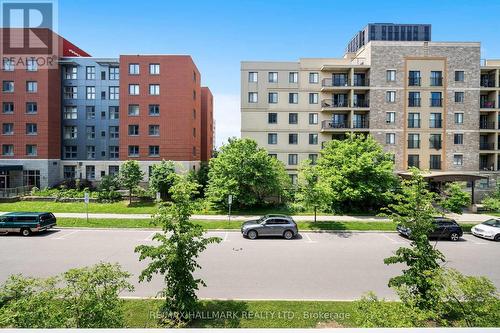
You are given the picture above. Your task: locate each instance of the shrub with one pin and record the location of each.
(108, 189)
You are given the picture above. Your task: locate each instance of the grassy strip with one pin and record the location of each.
(251, 314)
(233, 225)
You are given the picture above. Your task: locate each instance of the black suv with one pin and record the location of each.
(445, 229)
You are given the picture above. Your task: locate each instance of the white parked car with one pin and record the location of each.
(488, 229)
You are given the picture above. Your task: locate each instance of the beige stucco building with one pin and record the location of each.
(434, 105)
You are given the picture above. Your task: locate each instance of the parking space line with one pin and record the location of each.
(473, 241)
(149, 237)
(66, 235)
(309, 240)
(225, 237)
(392, 240)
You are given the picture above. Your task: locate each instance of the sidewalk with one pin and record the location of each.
(470, 218)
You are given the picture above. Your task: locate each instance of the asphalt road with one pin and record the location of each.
(326, 266)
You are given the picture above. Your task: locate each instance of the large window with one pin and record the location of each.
(31, 107)
(293, 98)
(252, 77)
(70, 92)
(435, 162)
(90, 92)
(114, 132)
(413, 120)
(133, 110)
(114, 152)
(313, 98)
(313, 138)
(154, 110)
(272, 118)
(273, 77)
(133, 89)
(435, 120)
(31, 178)
(313, 78)
(69, 172)
(133, 69)
(154, 69)
(154, 130)
(252, 97)
(70, 132)
(436, 78)
(8, 86)
(90, 152)
(313, 118)
(31, 86)
(31, 129)
(114, 73)
(154, 151)
(90, 112)
(293, 159)
(293, 138)
(90, 73)
(293, 77)
(414, 99)
(114, 112)
(435, 141)
(272, 138)
(273, 98)
(90, 172)
(154, 89)
(70, 152)
(70, 112)
(90, 131)
(114, 92)
(133, 151)
(8, 150)
(436, 99)
(133, 130)
(413, 161)
(413, 140)
(71, 73)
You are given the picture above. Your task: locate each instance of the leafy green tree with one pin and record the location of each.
(311, 193)
(130, 176)
(247, 172)
(201, 177)
(358, 173)
(160, 180)
(455, 198)
(175, 257)
(413, 209)
(108, 189)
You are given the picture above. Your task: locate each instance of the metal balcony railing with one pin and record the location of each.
(413, 123)
(414, 102)
(412, 163)
(361, 124)
(435, 144)
(330, 103)
(486, 146)
(330, 124)
(436, 102)
(413, 144)
(435, 123)
(487, 104)
(436, 81)
(337, 82)
(487, 83)
(414, 81)
(361, 103)
(434, 165)
(487, 125)
(361, 82)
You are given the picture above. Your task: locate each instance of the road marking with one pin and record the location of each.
(392, 240)
(149, 237)
(309, 240)
(225, 237)
(473, 241)
(66, 235)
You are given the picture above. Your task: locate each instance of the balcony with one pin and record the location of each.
(360, 124)
(337, 82)
(414, 81)
(333, 104)
(414, 102)
(361, 103)
(360, 82)
(487, 83)
(486, 146)
(487, 125)
(487, 104)
(436, 81)
(334, 125)
(436, 102)
(413, 144)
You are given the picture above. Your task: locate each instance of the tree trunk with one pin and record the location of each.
(130, 196)
(315, 209)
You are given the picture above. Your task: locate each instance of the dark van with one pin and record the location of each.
(26, 223)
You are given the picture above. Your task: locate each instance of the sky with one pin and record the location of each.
(220, 34)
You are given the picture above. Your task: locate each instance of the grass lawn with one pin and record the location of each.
(251, 314)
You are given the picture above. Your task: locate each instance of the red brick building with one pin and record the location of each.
(207, 123)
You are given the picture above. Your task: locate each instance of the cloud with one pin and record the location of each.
(227, 117)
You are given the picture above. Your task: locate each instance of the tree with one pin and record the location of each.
(413, 209)
(247, 172)
(201, 177)
(159, 181)
(181, 242)
(130, 176)
(455, 199)
(358, 173)
(108, 189)
(310, 192)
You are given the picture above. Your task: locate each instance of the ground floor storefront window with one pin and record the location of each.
(31, 178)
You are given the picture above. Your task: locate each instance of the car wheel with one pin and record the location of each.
(497, 238)
(26, 232)
(252, 234)
(454, 237)
(288, 234)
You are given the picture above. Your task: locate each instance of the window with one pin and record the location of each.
(114, 92)
(31, 107)
(154, 89)
(272, 118)
(390, 138)
(114, 112)
(133, 110)
(90, 152)
(459, 118)
(90, 73)
(414, 78)
(7, 107)
(293, 180)
(459, 97)
(292, 159)
(293, 77)
(436, 99)
(154, 109)
(70, 132)
(7, 128)
(273, 155)
(458, 160)
(133, 69)
(293, 118)
(391, 75)
(252, 77)
(313, 77)
(114, 132)
(435, 141)
(90, 172)
(390, 117)
(313, 98)
(89, 112)
(458, 139)
(273, 77)
(133, 89)
(70, 112)
(70, 152)
(133, 151)
(31, 86)
(273, 98)
(70, 92)
(31, 65)
(435, 162)
(8, 150)
(252, 97)
(69, 172)
(154, 151)
(272, 138)
(8, 86)
(90, 92)
(414, 99)
(413, 120)
(313, 138)
(435, 120)
(114, 73)
(293, 138)
(133, 130)
(194, 94)
(113, 170)
(31, 178)
(31, 129)
(436, 78)
(459, 76)
(313, 118)
(71, 73)
(313, 158)
(154, 69)
(8, 65)
(154, 130)
(413, 140)
(413, 161)
(390, 96)
(90, 131)
(293, 98)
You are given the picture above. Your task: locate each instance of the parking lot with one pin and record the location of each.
(334, 266)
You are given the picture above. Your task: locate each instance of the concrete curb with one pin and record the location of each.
(249, 299)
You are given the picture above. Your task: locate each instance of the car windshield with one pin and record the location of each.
(492, 223)
(262, 219)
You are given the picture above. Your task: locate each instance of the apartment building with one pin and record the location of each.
(433, 105)
(83, 117)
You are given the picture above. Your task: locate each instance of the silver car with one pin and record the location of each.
(270, 225)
